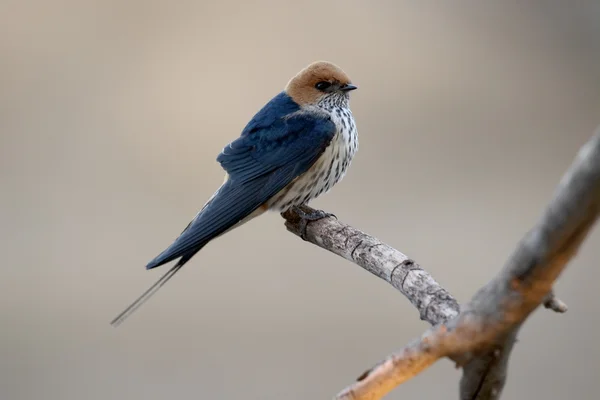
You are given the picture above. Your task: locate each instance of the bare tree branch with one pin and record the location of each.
(484, 376)
(481, 336)
(434, 303)
(398, 368)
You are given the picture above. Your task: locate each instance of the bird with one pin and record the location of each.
(297, 147)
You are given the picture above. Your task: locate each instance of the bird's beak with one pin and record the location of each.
(348, 87)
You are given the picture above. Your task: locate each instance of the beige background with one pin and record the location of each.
(112, 114)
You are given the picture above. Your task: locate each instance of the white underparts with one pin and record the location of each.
(329, 169)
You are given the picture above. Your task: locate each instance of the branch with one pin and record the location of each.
(481, 336)
(433, 302)
(398, 368)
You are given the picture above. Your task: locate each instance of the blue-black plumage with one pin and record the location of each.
(278, 145)
(295, 148)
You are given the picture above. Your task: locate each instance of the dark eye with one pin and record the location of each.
(323, 85)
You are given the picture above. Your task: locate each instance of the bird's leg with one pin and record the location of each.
(306, 217)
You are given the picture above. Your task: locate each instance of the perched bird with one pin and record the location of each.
(295, 148)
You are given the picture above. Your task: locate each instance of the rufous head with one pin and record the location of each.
(319, 81)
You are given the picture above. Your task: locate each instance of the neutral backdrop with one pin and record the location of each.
(112, 115)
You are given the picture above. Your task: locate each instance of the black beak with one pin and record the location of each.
(348, 87)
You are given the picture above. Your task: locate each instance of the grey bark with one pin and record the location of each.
(433, 302)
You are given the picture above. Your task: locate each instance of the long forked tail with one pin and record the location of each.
(150, 292)
(232, 205)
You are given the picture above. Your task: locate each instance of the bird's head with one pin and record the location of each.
(321, 84)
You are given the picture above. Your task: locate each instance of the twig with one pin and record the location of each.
(555, 304)
(433, 302)
(399, 367)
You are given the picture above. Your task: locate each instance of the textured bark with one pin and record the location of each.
(480, 335)
(433, 302)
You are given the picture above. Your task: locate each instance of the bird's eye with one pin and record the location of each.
(323, 85)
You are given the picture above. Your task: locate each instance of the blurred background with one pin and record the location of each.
(112, 114)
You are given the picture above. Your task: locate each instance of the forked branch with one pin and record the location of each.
(479, 336)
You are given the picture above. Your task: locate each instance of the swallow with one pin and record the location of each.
(297, 147)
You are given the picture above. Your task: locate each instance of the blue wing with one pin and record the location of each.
(279, 144)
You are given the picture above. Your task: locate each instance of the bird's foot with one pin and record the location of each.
(307, 217)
